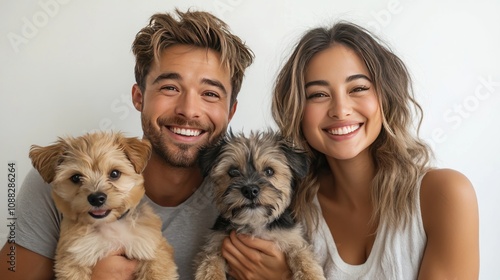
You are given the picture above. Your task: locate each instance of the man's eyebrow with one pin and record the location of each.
(215, 83)
(168, 75)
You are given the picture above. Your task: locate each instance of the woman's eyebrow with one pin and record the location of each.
(357, 76)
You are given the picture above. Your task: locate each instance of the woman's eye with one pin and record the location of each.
(269, 172)
(233, 172)
(316, 95)
(76, 179)
(115, 174)
(360, 89)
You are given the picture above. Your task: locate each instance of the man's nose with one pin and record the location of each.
(188, 105)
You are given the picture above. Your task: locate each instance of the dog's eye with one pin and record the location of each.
(115, 174)
(269, 172)
(233, 172)
(77, 178)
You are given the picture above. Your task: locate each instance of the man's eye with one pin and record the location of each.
(211, 94)
(168, 88)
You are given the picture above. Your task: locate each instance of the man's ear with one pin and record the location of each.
(137, 97)
(232, 110)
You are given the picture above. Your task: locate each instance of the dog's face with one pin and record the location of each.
(253, 177)
(96, 177)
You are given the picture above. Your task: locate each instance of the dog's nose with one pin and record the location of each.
(97, 199)
(250, 192)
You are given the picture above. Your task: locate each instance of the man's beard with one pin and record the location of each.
(183, 155)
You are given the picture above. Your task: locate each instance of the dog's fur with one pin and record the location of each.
(253, 181)
(97, 186)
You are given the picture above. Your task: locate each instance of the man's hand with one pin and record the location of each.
(114, 267)
(252, 258)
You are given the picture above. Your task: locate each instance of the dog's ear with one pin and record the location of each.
(208, 155)
(297, 159)
(46, 159)
(138, 152)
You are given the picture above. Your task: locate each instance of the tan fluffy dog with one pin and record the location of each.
(97, 186)
(253, 180)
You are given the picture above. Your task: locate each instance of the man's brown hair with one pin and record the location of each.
(195, 28)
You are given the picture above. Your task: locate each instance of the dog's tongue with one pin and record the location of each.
(99, 212)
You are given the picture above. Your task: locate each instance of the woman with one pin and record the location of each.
(373, 207)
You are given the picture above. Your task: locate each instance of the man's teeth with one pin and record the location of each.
(185, 132)
(343, 130)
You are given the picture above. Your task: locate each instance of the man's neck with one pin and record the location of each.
(169, 186)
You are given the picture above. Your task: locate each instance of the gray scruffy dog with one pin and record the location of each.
(253, 180)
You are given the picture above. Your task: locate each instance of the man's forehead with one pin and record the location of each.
(190, 63)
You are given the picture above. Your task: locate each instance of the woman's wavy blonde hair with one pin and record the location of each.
(400, 157)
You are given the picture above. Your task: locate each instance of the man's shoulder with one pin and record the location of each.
(34, 188)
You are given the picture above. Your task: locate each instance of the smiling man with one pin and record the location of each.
(185, 104)
(188, 74)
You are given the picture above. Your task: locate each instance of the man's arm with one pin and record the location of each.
(25, 264)
(35, 235)
(450, 217)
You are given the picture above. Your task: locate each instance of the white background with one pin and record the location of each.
(66, 68)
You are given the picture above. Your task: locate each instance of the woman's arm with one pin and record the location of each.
(450, 216)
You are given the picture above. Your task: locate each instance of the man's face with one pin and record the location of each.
(185, 104)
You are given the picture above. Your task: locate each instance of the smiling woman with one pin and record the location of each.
(373, 206)
(341, 104)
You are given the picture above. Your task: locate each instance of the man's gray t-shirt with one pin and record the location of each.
(185, 226)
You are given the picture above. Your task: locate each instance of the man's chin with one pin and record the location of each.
(184, 159)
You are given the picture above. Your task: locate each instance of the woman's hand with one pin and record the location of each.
(252, 258)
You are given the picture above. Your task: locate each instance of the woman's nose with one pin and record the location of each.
(340, 107)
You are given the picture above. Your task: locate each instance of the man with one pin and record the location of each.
(188, 74)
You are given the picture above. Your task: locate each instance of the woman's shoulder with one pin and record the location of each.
(445, 193)
(445, 183)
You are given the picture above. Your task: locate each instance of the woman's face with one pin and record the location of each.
(342, 115)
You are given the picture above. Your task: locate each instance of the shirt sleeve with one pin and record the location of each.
(38, 221)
